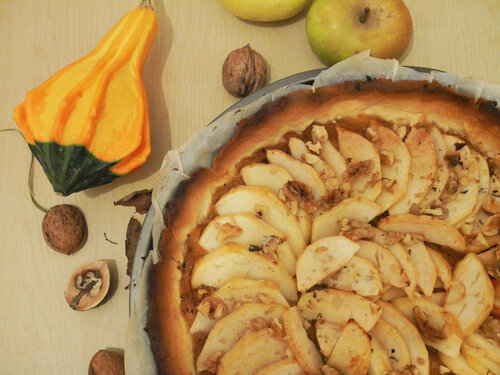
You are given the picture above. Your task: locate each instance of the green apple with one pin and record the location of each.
(265, 10)
(338, 29)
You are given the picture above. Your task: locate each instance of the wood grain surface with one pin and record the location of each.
(39, 333)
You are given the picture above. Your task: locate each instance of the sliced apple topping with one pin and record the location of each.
(458, 365)
(359, 276)
(302, 348)
(336, 161)
(379, 359)
(394, 161)
(442, 266)
(288, 366)
(339, 307)
(478, 360)
(300, 151)
(419, 356)
(426, 269)
(492, 201)
(471, 294)
(327, 334)
(442, 172)
(248, 229)
(234, 260)
(272, 176)
(393, 344)
(363, 169)
(330, 222)
(261, 201)
(322, 258)
(429, 228)
(423, 168)
(228, 330)
(351, 354)
(439, 328)
(300, 171)
(390, 270)
(463, 184)
(254, 351)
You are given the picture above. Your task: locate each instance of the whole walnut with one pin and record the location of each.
(64, 228)
(244, 71)
(106, 362)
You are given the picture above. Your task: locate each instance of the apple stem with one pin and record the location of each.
(364, 15)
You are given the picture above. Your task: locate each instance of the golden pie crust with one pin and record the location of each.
(408, 104)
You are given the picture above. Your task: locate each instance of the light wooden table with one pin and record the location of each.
(39, 333)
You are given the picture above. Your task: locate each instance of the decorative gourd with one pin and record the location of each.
(89, 122)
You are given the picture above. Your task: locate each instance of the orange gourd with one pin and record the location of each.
(89, 122)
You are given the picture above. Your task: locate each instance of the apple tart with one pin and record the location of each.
(350, 229)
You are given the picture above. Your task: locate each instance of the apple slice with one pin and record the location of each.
(233, 294)
(299, 151)
(483, 184)
(439, 328)
(300, 171)
(338, 307)
(231, 328)
(442, 172)
(379, 359)
(248, 229)
(359, 276)
(478, 360)
(234, 260)
(461, 203)
(330, 222)
(393, 344)
(430, 228)
(392, 292)
(442, 266)
(490, 349)
(288, 366)
(469, 276)
(322, 258)
(357, 149)
(334, 159)
(252, 352)
(327, 334)
(419, 356)
(302, 348)
(266, 205)
(272, 176)
(394, 161)
(458, 365)
(403, 258)
(390, 270)
(423, 168)
(426, 269)
(351, 354)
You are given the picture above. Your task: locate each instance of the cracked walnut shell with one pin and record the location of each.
(88, 285)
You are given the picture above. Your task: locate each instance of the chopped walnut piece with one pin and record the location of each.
(212, 362)
(213, 308)
(277, 330)
(491, 329)
(298, 192)
(491, 205)
(428, 330)
(386, 157)
(491, 226)
(319, 134)
(401, 132)
(438, 212)
(227, 231)
(392, 238)
(415, 209)
(258, 323)
(410, 370)
(334, 197)
(314, 147)
(372, 134)
(355, 169)
(270, 244)
(356, 231)
(311, 158)
(453, 158)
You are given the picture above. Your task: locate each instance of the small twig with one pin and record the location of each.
(107, 239)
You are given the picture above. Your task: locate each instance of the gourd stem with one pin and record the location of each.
(146, 4)
(30, 187)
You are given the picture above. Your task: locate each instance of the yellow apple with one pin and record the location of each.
(265, 10)
(338, 29)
